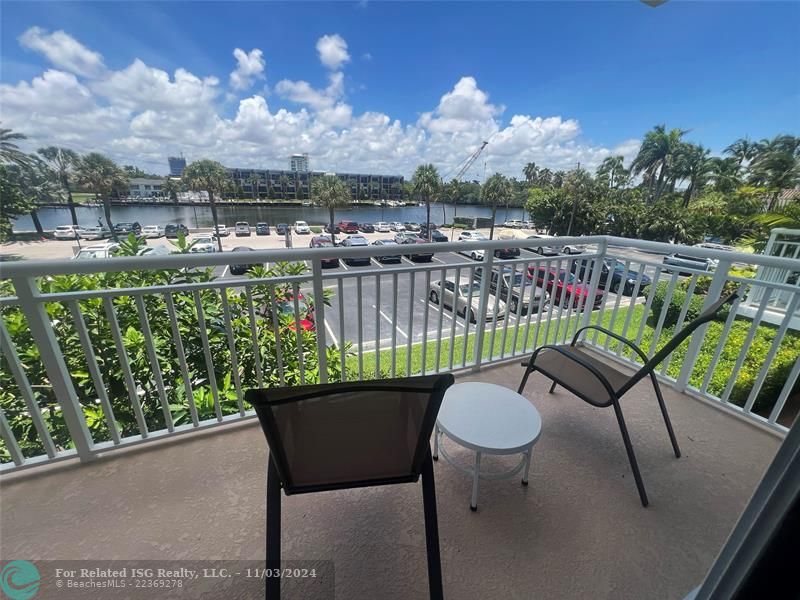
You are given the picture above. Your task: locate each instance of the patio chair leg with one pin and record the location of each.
(435, 442)
(524, 380)
(273, 584)
(631, 456)
(667, 421)
(431, 530)
(552, 387)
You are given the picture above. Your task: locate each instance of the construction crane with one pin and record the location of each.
(465, 167)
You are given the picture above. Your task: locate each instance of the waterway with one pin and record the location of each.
(200, 216)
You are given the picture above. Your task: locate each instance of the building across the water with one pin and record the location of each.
(176, 165)
(298, 162)
(296, 185)
(144, 188)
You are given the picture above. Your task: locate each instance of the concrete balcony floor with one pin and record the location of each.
(578, 530)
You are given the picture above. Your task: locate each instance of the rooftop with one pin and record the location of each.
(578, 530)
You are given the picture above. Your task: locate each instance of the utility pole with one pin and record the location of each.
(574, 209)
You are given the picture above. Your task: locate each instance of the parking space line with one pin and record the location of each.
(377, 262)
(341, 264)
(439, 260)
(330, 333)
(225, 270)
(388, 320)
(444, 314)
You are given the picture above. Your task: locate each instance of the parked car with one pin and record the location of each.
(334, 230)
(242, 228)
(281, 228)
(172, 230)
(397, 226)
(401, 236)
(323, 241)
(464, 298)
(412, 226)
(548, 249)
(437, 236)
(711, 245)
(521, 300)
(348, 226)
(613, 275)
(471, 236)
(388, 258)
(382, 227)
(416, 256)
(561, 283)
(355, 241)
(67, 232)
(222, 231)
(514, 224)
(678, 262)
(204, 243)
(302, 228)
(262, 229)
(128, 227)
(160, 250)
(106, 250)
(95, 233)
(366, 228)
(242, 268)
(152, 231)
(285, 309)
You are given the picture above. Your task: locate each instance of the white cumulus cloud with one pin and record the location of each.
(249, 67)
(332, 51)
(63, 51)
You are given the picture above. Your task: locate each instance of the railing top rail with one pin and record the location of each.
(38, 268)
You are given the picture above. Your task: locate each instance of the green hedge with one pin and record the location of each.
(677, 301)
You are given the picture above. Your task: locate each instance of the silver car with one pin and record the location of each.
(457, 298)
(523, 295)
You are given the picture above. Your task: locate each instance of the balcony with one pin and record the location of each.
(105, 458)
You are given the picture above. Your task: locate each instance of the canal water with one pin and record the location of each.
(200, 216)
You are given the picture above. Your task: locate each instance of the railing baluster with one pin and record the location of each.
(546, 278)
(411, 280)
(298, 333)
(427, 302)
(360, 315)
(32, 304)
(150, 347)
(237, 382)
(647, 306)
(721, 345)
(21, 378)
(681, 318)
(441, 316)
(544, 302)
(486, 265)
(394, 324)
(212, 379)
(453, 325)
(377, 326)
(508, 313)
(176, 339)
(631, 307)
(467, 320)
(594, 283)
(94, 371)
(276, 332)
(663, 315)
(788, 386)
(616, 309)
(495, 310)
(342, 353)
(10, 441)
(565, 296)
(319, 317)
(254, 336)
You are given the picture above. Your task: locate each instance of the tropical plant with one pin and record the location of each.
(13, 200)
(612, 172)
(726, 174)
(101, 175)
(254, 180)
(776, 166)
(693, 165)
(497, 190)
(62, 162)
(427, 184)
(530, 171)
(331, 192)
(208, 176)
(656, 159)
(742, 150)
(171, 187)
(9, 151)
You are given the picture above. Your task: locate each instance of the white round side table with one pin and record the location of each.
(488, 419)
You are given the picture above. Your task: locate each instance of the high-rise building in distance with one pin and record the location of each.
(298, 163)
(176, 165)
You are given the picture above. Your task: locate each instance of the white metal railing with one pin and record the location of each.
(164, 352)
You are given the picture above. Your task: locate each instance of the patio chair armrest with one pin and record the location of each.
(609, 333)
(576, 359)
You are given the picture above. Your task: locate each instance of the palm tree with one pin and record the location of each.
(208, 176)
(743, 149)
(427, 184)
(530, 171)
(656, 158)
(101, 175)
(331, 192)
(9, 151)
(497, 190)
(171, 187)
(62, 163)
(726, 174)
(612, 172)
(776, 166)
(254, 180)
(692, 163)
(283, 181)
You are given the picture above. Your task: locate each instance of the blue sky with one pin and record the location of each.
(598, 75)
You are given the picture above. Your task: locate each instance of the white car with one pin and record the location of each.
(222, 231)
(204, 243)
(95, 233)
(152, 231)
(397, 226)
(97, 251)
(67, 232)
(301, 227)
(514, 224)
(471, 236)
(382, 227)
(464, 299)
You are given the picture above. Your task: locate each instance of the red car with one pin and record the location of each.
(323, 241)
(348, 227)
(285, 306)
(560, 282)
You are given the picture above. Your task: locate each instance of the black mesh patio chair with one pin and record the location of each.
(601, 385)
(347, 435)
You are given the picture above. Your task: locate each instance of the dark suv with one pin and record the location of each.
(366, 227)
(171, 230)
(126, 228)
(613, 276)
